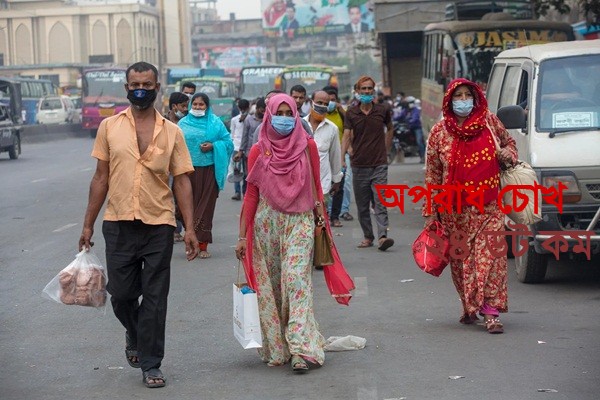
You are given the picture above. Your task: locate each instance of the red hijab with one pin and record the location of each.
(473, 161)
(281, 171)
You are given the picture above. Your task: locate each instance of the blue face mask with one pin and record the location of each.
(462, 108)
(282, 124)
(331, 106)
(366, 98)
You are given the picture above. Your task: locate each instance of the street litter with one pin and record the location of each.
(548, 390)
(115, 367)
(541, 342)
(455, 377)
(406, 280)
(339, 234)
(342, 343)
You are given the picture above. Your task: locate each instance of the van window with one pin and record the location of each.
(494, 85)
(508, 94)
(522, 98)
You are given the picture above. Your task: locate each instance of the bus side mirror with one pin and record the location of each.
(513, 117)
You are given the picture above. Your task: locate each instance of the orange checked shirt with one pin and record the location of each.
(138, 185)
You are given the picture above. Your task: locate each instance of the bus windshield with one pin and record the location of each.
(258, 81)
(477, 49)
(311, 79)
(104, 86)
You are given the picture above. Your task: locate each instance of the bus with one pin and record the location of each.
(10, 96)
(30, 91)
(258, 80)
(221, 91)
(313, 78)
(103, 95)
(454, 49)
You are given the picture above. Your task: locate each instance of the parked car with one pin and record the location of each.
(77, 111)
(55, 109)
(10, 137)
(548, 97)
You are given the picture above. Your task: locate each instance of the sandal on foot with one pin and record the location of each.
(131, 353)
(177, 238)
(364, 244)
(299, 365)
(336, 223)
(385, 243)
(493, 325)
(347, 217)
(204, 254)
(153, 378)
(468, 319)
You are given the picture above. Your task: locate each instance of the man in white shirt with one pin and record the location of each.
(326, 134)
(237, 130)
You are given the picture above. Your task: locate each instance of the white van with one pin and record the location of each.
(55, 109)
(548, 96)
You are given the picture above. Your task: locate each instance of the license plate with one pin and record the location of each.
(107, 112)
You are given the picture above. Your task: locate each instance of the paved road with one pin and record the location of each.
(414, 340)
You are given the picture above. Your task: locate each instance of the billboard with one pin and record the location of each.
(231, 59)
(292, 18)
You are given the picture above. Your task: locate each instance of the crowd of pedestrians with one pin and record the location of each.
(302, 166)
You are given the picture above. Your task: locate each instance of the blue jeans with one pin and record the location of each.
(347, 188)
(420, 141)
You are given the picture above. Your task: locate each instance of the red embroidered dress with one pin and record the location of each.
(466, 155)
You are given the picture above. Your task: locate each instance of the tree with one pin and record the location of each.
(591, 8)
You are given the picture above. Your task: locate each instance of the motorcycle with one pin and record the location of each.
(404, 143)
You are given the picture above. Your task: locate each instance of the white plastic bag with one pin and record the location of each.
(246, 321)
(82, 283)
(342, 343)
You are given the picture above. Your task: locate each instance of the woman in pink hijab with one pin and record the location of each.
(277, 225)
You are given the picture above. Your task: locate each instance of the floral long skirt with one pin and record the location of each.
(282, 259)
(481, 277)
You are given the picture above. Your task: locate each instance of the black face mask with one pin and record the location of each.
(141, 98)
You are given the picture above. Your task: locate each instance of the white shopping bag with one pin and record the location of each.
(246, 322)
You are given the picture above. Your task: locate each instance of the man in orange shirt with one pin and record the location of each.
(137, 150)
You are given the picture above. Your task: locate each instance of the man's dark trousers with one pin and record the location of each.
(138, 258)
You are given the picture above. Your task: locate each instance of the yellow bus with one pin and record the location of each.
(466, 49)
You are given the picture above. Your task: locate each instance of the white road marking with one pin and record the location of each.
(64, 228)
(39, 180)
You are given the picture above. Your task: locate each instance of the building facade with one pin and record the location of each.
(34, 34)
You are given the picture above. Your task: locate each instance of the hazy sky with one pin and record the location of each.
(243, 9)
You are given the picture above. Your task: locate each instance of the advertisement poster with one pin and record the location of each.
(231, 59)
(292, 18)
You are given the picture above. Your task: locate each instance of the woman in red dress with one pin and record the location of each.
(462, 151)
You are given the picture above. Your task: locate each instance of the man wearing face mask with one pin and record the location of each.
(368, 130)
(340, 202)
(251, 123)
(178, 106)
(137, 150)
(326, 134)
(237, 132)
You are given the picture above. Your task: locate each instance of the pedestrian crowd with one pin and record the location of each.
(296, 170)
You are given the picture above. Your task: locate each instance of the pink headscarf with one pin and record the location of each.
(281, 171)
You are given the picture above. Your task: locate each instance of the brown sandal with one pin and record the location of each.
(493, 325)
(336, 223)
(468, 319)
(364, 244)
